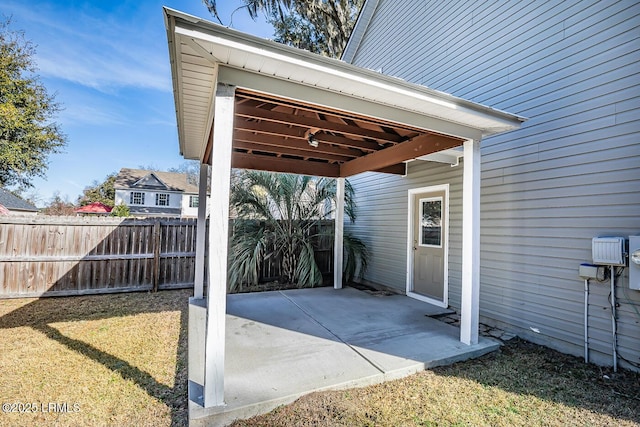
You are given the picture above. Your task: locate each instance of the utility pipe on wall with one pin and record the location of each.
(586, 320)
(613, 319)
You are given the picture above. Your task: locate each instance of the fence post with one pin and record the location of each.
(156, 255)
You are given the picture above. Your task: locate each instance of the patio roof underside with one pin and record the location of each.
(302, 113)
(282, 135)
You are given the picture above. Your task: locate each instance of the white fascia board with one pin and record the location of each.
(176, 75)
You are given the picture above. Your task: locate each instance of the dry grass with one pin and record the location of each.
(522, 385)
(114, 359)
(121, 359)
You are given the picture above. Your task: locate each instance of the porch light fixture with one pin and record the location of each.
(311, 137)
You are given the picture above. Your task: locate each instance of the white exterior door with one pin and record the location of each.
(428, 245)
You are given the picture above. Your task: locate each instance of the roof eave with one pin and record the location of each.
(169, 21)
(222, 42)
(359, 30)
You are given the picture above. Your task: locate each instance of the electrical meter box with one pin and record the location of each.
(608, 251)
(634, 262)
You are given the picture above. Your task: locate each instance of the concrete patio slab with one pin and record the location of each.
(284, 344)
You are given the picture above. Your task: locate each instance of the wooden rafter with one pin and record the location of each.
(272, 134)
(301, 144)
(277, 164)
(310, 122)
(294, 131)
(288, 151)
(270, 102)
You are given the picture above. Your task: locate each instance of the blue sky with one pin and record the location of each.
(108, 64)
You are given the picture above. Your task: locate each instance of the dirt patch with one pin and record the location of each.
(371, 290)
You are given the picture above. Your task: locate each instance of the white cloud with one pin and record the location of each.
(83, 114)
(95, 49)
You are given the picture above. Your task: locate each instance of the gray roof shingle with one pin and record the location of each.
(15, 203)
(127, 178)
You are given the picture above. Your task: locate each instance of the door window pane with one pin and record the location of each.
(431, 222)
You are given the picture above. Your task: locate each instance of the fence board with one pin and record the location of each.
(55, 256)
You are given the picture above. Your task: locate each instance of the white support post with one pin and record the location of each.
(201, 226)
(218, 246)
(469, 307)
(338, 249)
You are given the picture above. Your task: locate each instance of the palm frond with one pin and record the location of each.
(308, 273)
(246, 254)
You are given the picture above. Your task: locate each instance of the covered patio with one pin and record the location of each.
(281, 345)
(245, 102)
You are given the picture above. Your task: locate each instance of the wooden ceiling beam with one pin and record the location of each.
(416, 147)
(399, 169)
(278, 164)
(367, 146)
(311, 122)
(290, 151)
(269, 129)
(277, 129)
(300, 144)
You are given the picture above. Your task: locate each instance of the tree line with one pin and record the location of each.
(319, 26)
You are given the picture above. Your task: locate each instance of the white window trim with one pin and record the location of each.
(167, 202)
(132, 198)
(445, 241)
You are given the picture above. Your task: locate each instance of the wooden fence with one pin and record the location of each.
(69, 255)
(56, 256)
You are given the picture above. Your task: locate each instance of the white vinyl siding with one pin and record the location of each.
(146, 198)
(382, 221)
(571, 173)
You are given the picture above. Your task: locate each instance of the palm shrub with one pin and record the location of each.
(279, 217)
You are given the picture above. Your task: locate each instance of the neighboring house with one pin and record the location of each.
(16, 205)
(153, 193)
(572, 172)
